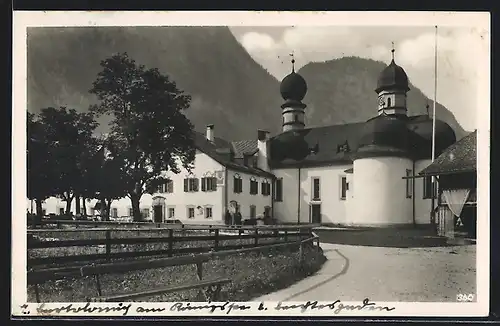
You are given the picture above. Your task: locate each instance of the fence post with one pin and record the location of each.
(301, 253)
(256, 236)
(216, 240)
(108, 245)
(276, 234)
(170, 242)
(286, 235)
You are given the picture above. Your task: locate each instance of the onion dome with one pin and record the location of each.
(384, 135)
(289, 145)
(293, 87)
(392, 77)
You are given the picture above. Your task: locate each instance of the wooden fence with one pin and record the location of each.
(38, 276)
(280, 235)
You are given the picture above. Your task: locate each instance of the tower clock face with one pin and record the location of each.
(381, 101)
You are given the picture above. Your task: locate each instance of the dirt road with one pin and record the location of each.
(352, 273)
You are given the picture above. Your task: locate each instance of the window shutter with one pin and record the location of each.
(186, 185)
(235, 185)
(214, 184)
(196, 184)
(203, 184)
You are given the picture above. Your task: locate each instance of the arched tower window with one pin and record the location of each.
(296, 118)
(389, 102)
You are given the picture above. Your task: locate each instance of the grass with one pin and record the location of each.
(253, 274)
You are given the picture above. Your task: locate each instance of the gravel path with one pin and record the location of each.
(352, 273)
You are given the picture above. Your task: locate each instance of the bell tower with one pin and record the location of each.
(392, 87)
(293, 88)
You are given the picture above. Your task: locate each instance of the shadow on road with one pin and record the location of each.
(331, 278)
(395, 238)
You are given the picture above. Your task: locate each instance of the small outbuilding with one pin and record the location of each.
(456, 173)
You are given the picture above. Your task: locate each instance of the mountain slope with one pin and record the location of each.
(342, 90)
(228, 88)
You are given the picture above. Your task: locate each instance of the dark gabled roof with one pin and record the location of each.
(458, 158)
(220, 150)
(327, 138)
(331, 140)
(244, 147)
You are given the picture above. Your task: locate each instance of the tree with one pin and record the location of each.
(40, 172)
(68, 135)
(150, 133)
(106, 179)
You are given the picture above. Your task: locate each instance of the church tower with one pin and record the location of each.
(293, 88)
(392, 86)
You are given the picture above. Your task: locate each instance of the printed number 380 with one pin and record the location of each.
(465, 297)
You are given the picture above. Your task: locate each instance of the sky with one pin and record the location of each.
(458, 49)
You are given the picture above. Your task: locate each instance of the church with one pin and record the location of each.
(356, 174)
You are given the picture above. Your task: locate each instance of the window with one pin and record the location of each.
(267, 211)
(168, 186)
(254, 187)
(208, 212)
(389, 102)
(296, 118)
(237, 184)
(409, 184)
(279, 189)
(190, 212)
(145, 213)
(428, 193)
(253, 211)
(266, 188)
(61, 211)
(171, 212)
(315, 189)
(343, 187)
(130, 212)
(209, 184)
(114, 212)
(191, 184)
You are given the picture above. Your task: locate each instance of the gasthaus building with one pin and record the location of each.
(347, 174)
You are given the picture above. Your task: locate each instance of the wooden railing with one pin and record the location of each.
(35, 277)
(280, 234)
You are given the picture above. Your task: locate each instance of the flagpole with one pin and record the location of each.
(434, 104)
(433, 180)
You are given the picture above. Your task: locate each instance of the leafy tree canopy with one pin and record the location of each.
(149, 132)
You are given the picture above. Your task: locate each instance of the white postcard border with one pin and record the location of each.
(24, 19)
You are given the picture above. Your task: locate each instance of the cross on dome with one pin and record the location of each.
(293, 62)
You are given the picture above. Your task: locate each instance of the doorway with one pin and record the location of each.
(158, 213)
(316, 213)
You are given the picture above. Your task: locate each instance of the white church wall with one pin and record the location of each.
(333, 207)
(422, 206)
(380, 197)
(245, 199)
(286, 211)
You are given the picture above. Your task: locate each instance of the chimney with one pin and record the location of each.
(210, 133)
(262, 155)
